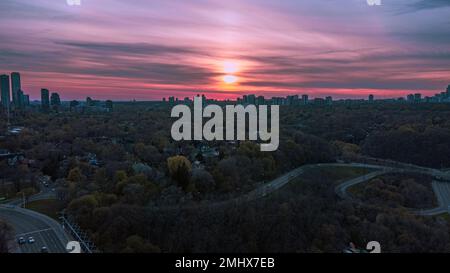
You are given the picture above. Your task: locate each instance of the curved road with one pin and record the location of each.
(27, 223)
(44, 194)
(46, 231)
(342, 188)
(267, 188)
(440, 189)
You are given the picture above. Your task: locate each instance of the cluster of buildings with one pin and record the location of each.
(292, 100)
(48, 100)
(261, 100)
(186, 100)
(14, 98)
(12, 95)
(440, 97)
(91, 106)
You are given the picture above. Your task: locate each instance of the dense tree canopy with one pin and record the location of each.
(116, 172)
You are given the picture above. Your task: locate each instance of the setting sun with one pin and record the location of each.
(230, 68)
(229, 79)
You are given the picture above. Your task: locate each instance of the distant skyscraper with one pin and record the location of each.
(261, 100)
(371, 97)
(26, 100)
(290, 100)
(417, 97)
(15, 88)
(329, 100)
(89, 101)
(20, 99)
(410, 98)
(319, 101)
(305, 99)
(251, 99)
(277, 101)
(55, 100)
(204, 101)
(4, 87)
(45, 99)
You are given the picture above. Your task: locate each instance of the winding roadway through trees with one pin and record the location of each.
(440, 184)
(381, 167)
(53, 236)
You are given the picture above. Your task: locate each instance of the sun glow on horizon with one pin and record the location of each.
(229, 79)
(230, 68)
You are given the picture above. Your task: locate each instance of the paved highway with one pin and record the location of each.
(407, 167)
(442, 191)
(40, 196)
(45, 231)
(45, 192)
(342, 188)
(269, 187)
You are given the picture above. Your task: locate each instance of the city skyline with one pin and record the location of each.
(147, 51)
(11, 86)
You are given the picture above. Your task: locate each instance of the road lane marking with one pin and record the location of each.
(54, 242)
(46, 238)
(32, 232)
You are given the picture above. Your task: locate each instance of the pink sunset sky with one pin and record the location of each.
(145, 50)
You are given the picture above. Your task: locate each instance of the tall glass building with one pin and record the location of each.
(15, 88)
(5, 91)
(45, 99)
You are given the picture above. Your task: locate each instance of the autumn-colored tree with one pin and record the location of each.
(83, 208)
(120, 181)
(75, 175)
(347, 150)
(120, 176)
(179, 169)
